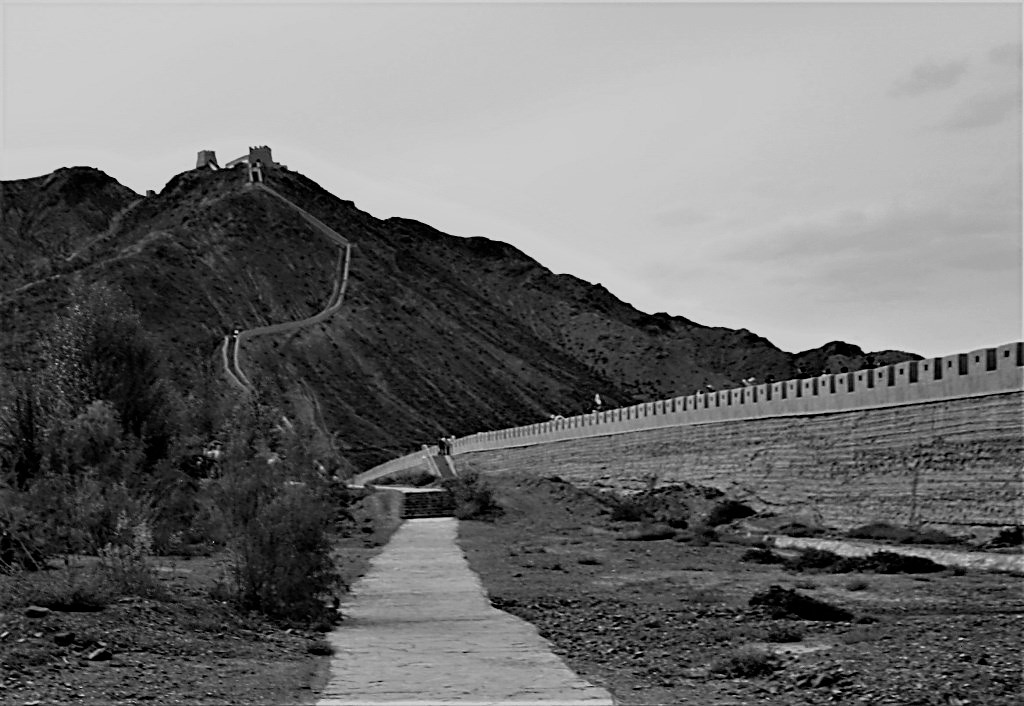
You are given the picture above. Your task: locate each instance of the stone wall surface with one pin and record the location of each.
(937, 442)
(955, 462)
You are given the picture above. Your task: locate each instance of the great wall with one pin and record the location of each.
(936, 442)
(259, 162)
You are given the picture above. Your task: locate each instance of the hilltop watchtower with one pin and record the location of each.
(207, 158)
(261, 154)
(259, 160)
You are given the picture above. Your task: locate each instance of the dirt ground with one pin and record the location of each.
(185, 648)
(669, 621)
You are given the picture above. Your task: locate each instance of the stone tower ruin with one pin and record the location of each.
(208, 159)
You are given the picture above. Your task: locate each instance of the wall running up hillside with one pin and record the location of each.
(936, 441)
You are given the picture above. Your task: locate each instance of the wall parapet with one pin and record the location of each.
(986, 371)
(417, 460)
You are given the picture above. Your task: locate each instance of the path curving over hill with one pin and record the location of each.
(231, 349)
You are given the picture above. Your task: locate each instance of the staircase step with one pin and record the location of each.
(432, 503)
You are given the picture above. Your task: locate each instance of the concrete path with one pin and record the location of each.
(419, 631)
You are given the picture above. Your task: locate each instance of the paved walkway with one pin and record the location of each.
(419, 631)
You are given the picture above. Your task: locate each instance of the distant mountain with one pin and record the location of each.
(839, 357)
(438, 334)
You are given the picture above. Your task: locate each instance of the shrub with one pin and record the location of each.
(745, 662)
(726, 511)
(68, 589)
(1007, 537)
(878, 562)
(474, 499)
(902, 535)
(780, 603)
(893, 563)
(628, 510)
(280, 551)
(124, 560)
(813, 559)
(699, 535)
(22, 545)
(121, 569)
(22, 434)
(760, 555)
(857, 585)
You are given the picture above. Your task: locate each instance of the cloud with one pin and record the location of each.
(1006, 54)
(984, 111)
(979, 231)
(930, 77)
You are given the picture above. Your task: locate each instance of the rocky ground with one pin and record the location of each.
(669, 621)
(181, 647)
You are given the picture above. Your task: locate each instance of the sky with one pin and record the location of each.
(806, 171)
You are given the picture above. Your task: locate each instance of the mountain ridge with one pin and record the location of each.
(438, 335)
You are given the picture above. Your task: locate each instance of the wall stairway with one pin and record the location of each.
(428, 503)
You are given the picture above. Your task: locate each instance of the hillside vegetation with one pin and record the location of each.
(438, 334)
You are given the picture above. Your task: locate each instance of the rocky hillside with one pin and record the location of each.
(47, 218)
(439, 334)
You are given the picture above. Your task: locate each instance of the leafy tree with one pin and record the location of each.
(98, 350)
(22, 435)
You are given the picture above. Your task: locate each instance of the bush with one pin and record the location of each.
(857, 585)
(760, 555)
(813, 559)
(474, 499)
(702, 535)
(893, 563)
(1007, 537)
(745, 662)
(22, 545)
(902, 535)
(628, 510)
(781, 603)
(77, 589)
(727, 511)
(878, 562)
(125, 561)
(280, 551)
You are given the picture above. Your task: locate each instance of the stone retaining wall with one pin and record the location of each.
(938, 442)
(956, 462)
